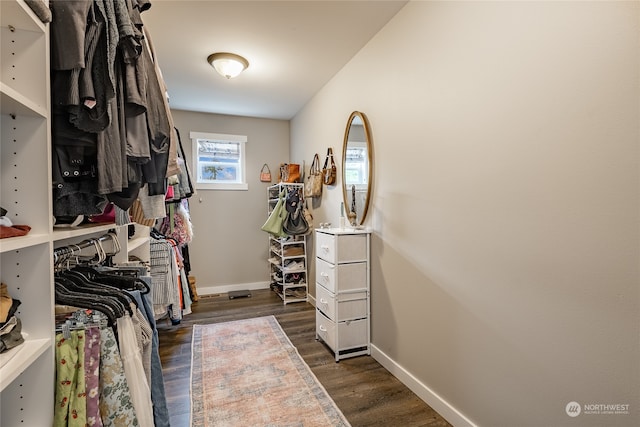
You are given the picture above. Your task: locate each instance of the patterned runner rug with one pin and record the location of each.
(246, 373)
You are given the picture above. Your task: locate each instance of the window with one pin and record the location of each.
(219, 161)
(356, 165)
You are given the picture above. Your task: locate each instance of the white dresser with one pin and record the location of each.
(343, 290)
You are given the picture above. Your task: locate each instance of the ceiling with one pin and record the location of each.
(293, 48)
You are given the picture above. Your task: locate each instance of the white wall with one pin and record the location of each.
(228, 251)
(505, 280)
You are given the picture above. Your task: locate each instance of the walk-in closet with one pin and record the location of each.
(364, 213)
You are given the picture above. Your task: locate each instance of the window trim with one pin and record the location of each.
(242, 139)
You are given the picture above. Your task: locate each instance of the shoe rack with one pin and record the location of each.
(287, 256)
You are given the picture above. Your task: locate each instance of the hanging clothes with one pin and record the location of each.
(112, 129)
(177, 224)
(117, 371)
(166, 294)
(92, 375)
(158, 394)
(71, 402)
(116, 403)
(134, 371)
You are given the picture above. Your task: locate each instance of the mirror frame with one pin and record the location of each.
(367, 135)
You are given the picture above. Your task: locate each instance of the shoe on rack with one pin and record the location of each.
(291, 265)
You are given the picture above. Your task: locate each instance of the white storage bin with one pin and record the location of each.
(346, 248)
(343, 306)
(350, 334)
(349, 276)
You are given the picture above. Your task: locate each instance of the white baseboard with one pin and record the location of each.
(441, 406)
(223, 289)
(311, 299)
(213, 290)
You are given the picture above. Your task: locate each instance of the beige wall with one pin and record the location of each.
(505, 212)
(229, 251)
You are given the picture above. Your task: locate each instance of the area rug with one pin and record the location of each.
(246, 373)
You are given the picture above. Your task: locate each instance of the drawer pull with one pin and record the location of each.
(324, 248)
(322, 328)
(323, 301)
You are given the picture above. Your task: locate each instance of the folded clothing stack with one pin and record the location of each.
(10, 325)
(8, 229)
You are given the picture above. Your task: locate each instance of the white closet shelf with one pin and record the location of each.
(15, 243)
(136, 242)
(13, 102)
(19, 15)
(26, 354)
(27, 372)
(81, 230)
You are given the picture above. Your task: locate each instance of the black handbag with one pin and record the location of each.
(292, 200)
(295, 223)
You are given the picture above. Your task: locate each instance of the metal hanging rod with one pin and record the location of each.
(68, 250)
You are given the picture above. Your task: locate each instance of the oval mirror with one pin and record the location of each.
(357, 168)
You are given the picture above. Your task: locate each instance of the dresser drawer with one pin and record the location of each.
(342, 335)
(326, 330)
(339, 307)
(341, 248)
(341, 277)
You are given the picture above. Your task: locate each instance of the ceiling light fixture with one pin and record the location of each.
(228, 64)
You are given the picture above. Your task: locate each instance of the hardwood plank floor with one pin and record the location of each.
(366, 393)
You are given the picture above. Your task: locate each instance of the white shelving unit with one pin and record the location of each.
(26, 263)
(289, 268)
(287, 255)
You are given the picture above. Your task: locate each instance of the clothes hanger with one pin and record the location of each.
(64, 295)
(115, 244)
(101, 290)
(80, 286)
(112, 279)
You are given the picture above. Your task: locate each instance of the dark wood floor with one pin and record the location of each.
(366, 393)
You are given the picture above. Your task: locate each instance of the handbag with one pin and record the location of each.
(273, 224)
(265, 176)
(292, 200)
(308, 216)
(289, 172)
(313, 186)
(329, 170)
(295, 223)
(137, 215)
(107, 215)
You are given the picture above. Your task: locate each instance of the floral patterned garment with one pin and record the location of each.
(71, 402)
(92, 375)
(116, 407)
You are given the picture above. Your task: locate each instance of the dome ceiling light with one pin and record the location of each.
(228, 64)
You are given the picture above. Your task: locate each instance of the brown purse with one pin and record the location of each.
(265, 176)
(329, 170)
(313, 184)
(137, 214)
